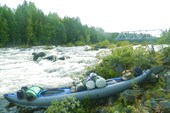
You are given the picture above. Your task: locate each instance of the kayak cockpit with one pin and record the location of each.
(55, 91)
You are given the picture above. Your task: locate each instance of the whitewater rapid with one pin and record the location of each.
(18, 69)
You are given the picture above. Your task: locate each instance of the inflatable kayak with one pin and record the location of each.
(46, 97)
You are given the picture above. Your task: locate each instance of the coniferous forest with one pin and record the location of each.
(28, 25)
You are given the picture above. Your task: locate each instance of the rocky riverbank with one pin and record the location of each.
(153, 96)
(156, 97)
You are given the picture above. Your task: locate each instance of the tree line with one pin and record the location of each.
(28, 25)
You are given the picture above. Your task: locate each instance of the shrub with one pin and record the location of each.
(122, 43)
(48, 47)
(166, 52)
(127, 57)
(67, 105)
(69, 44)
(71, 105)
(104, 44)
(79, 43)
(117, 107)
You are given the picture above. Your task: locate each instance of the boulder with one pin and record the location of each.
(160, 104)
(37, 55)
(154, 102)
(96, 47)
(51, 57)
(87, 48)
(130, 95)
(158, 69)
(62, 58)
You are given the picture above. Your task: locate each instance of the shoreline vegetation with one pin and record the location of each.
(151, 96)
(28, 26)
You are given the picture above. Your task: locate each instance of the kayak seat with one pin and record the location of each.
(111, 81)
(55, 91)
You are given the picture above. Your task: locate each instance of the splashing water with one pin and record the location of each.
(18, 69)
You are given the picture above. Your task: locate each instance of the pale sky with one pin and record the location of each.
(111, 15)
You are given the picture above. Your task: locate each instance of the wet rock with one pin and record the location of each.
(37, 55)
(87, 48)
(41, 55)
(51, 58)
(62, 58)
(96, 47)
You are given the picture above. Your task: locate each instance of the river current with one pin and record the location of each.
(18, 69)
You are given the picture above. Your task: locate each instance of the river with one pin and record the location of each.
(18, 69)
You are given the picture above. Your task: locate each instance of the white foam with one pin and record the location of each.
(17, 68)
